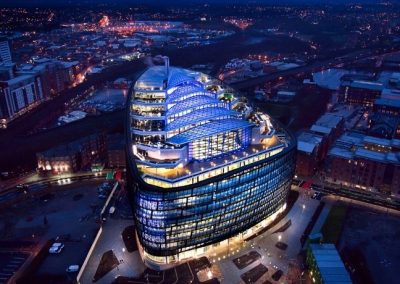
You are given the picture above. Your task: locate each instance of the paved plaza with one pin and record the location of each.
(265, 244)
(263, 247)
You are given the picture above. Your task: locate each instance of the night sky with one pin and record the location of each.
(173, 2)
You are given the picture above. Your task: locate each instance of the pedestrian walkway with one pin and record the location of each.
(321, 219)
(130, 265)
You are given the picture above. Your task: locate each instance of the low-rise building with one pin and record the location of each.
(313, 145)
(387, 106)
(116, 153)
(365, 162)
(308, 153)
(331, 126)
(360, 92)
(325, 265)
(73, 156)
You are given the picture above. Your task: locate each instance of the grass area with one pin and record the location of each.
(333, 225)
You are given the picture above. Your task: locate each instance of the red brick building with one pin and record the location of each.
(365, 162)
(73, 156)
(313, 145)
(360, 92)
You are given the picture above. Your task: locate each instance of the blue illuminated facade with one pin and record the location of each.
(203, 166)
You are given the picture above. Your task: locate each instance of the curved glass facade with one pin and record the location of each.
(203, 166)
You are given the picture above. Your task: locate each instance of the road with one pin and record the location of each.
(364, 196)
(313, 67)
(40, 185)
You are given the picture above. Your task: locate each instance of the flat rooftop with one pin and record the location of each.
(355, 145)
(329, 120)
(306, 142)
(329, 264)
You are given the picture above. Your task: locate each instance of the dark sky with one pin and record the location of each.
(171, 2)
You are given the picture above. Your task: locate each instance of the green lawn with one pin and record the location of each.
(333, 225)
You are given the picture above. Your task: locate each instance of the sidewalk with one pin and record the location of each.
(111, 239)
(321, 219)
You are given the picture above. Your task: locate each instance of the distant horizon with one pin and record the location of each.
(60, 3)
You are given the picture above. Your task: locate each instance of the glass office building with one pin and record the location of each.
(203, 165)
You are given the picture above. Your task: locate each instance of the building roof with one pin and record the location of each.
(370, 155)
(356, 145)
(377, 141)
(390, 94)
(183, 91)
(307, 142)
(68, 149)
(209, 129)
(369, 85)
(326, 123)
(329, 263)
(321, 129)
(199, 100)
(388, 102)
(329, 120)
(153, 77)
(18, 79)
(200, 115)
(287, 93)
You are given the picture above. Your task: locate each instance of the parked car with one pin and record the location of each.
(112, 210)
(102, 196)
(317, 196)
(56, 248)
(73, 268)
